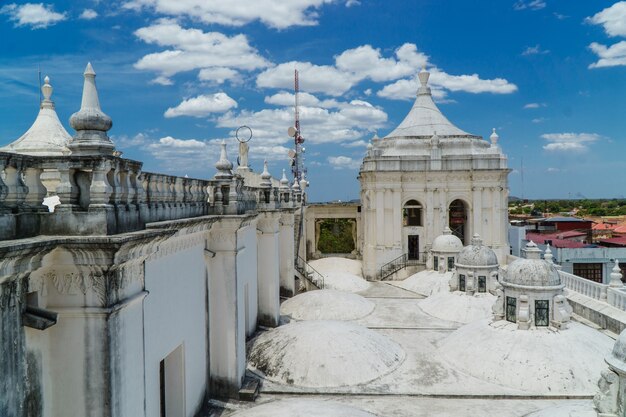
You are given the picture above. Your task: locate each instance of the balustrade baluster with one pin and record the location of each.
(4, 190)
(66, 190)
(36, 190)
(101, 190)
(17, 190)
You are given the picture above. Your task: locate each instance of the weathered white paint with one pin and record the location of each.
(174, 315)
(268, 265)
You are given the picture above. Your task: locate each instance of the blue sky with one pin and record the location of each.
(178, 76)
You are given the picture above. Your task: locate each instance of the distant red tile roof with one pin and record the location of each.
(620, 229)
(621, 241)
(556, 242)
(604, 226)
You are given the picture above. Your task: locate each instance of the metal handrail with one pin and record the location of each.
(305, 268)
(396, 265)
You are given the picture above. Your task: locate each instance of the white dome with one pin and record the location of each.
(447, 242)
(477, 254)
(327, 305)
(321, 353)
(617, 359)
(302, 408)
(532, 271)
(537, 361)
(458, 307)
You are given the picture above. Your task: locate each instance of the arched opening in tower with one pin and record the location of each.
(458, 220)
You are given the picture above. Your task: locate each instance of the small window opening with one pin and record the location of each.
(511, 309)
(542, 310)
(482, 284)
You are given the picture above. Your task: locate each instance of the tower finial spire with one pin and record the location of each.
(90, 122)
(423, 76)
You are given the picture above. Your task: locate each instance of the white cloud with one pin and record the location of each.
(535, 105)
(351, 121)
(161, 80)
(202, 106)
(218, 74)
(406, 89)
(35, 15)
(182, 155)
(529, 4)
(614, 55)
(88, 14)
(192, 49)
(539, 120)
(535, 50)
(279, 14)
(313, 78)
(471, 83)
(355, 144)
(367, 62)
(124, 141)
(343, 162)
(350, 3)
(287, 99)
(612, 19)
(553, 170)
(569, 142)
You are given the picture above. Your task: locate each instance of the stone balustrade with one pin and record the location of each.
(584, 286)
(105, 194)
(616, 297)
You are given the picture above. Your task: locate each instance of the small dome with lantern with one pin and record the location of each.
(477, 254)
(532, 271)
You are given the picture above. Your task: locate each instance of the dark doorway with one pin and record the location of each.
(458, 219)
(414, 247)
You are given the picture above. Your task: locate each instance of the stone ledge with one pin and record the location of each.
(598, 312)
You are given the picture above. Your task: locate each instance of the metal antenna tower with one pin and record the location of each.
(297, 164)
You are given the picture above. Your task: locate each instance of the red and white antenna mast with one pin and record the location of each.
(297, 166)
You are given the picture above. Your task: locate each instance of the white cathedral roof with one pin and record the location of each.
(47, 136)
(425, 119)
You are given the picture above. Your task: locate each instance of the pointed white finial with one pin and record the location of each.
(296, 187)
(266, 177)
(616, 276)
(46, 91)
(494, 137)
(90, 122)
(90, 92)
(547, 255)
(447, 231)
(284, 183)
(223, 166)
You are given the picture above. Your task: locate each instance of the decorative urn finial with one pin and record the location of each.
(494, 137)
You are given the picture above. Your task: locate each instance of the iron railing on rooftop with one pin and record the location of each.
(309, 273)
(400, 263)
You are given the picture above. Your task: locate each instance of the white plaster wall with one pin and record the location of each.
(247, 276)
(175, 313)
(484, 194)
(127, 359)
